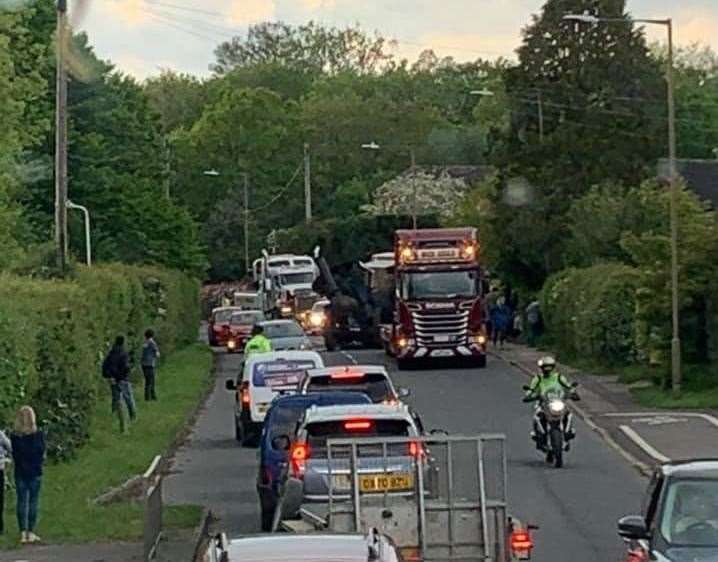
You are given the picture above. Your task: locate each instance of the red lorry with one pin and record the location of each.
(438, 311)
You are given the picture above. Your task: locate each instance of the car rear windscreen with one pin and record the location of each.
(374, 385)
(280, 373)
(318, 433)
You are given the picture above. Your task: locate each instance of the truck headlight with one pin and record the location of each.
(286, 309)
(480, 339)
(231, 344)
(316, 319)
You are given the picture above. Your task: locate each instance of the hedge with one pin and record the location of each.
(53, 335)
(591, 312)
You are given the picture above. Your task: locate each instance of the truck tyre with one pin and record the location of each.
(330, 341)
(480, 361)
(404, 364)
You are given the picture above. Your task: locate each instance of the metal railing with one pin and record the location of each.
(153, 509)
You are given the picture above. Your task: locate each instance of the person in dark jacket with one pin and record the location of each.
(116, 368)
(28, 455)
(150, 354)
(501, 321)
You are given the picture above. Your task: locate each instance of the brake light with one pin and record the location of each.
(244, 393)
(299, 455)
(357, 425)
(521, 542)
(416, 450)
(637, 555)
(346, 375)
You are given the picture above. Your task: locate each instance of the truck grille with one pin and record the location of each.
(440, 329)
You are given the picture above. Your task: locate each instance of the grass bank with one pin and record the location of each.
(67, 513)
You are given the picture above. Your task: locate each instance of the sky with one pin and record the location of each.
(144, 36)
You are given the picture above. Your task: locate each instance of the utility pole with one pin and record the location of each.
(676, 374)
(413, 188)
(307, 185)
(246, 223)
(61, 244)
(167, 149)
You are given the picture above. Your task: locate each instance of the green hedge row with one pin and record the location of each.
(591, 312)
(54, 334)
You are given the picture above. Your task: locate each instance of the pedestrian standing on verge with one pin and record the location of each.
(28, 455)
(5, 456)
(150, 354)
(533, 319)
(116, 368)
(501, 320)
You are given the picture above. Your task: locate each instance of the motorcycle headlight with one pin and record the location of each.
(556, 406)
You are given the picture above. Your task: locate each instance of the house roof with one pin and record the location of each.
(701, 176)
(467, 173)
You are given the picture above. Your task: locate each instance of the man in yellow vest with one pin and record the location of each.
(258, 343)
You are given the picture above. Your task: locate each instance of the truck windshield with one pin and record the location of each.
(296, 278)
(439, 284)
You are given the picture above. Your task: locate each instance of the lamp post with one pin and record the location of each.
(374, 146)
(215, 174)
(676, 374)
(88, 242)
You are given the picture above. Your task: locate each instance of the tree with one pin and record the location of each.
(312, 48)
(178, 98)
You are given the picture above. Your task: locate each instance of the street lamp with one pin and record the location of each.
(88, 243)
(486, 93)
(215, 174)
(483, 92)
(374, 146)
(676, 374)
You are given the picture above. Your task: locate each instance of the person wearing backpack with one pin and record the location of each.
(116, 368)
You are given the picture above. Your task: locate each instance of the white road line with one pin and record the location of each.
(350, 357)
(643, 444)
(707, 417)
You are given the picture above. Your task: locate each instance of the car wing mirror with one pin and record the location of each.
(230, 384)
(438, 432)
(526, 387)
(404, 392)
(633, 528)
(281, 442)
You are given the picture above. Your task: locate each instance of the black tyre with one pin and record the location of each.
(556, 444)
(480, 362)
(330, 342)
(238, 431)
(267, 514)
(404, 364)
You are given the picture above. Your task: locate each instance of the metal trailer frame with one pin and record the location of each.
(424, 523)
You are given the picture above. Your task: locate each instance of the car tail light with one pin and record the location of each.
(410, 554)
(416, 450)
(299, 455)
(357, 425)
(244, 394)
(346, 375)
(637, 555)
(521, 543)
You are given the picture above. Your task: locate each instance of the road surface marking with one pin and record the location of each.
(659, 420)
(643, 444)
(707, 417)
(350, 357)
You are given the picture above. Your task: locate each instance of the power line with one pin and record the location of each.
(281, 193)
(170, 23)
(184, 8)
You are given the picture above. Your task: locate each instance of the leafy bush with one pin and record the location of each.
(53, 335)
(591, 312)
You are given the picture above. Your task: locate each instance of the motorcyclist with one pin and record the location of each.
(548, 378)
(258, 343)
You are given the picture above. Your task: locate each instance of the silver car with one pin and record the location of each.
(319, 547)
(392, 473)
(285, 334)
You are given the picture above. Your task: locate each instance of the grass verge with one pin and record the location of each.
(67, 513)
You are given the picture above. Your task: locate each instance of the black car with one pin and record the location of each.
(679, 521)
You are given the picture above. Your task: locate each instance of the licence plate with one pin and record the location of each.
(341, 482)
(385, 482)
(442, 353)
(262, 408)
(442, 338)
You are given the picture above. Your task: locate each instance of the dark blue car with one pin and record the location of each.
(281, 420)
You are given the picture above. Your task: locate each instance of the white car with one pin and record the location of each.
(264, 377)
(372, 380)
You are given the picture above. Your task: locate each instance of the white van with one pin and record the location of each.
(264, 377)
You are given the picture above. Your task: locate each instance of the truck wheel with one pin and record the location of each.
(330, 341)
(404, 364)
(480, 362)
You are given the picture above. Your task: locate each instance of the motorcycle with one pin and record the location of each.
(553, 423)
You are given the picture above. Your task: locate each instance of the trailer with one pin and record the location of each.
(457, 508)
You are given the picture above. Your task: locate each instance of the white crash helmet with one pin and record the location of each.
(547, 364)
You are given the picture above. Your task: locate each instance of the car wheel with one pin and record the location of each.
(238, 431)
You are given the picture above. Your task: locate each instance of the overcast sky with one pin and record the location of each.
(142, 36)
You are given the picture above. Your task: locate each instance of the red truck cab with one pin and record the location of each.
(438, 309)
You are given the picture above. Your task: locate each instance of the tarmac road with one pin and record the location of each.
(576, 507)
